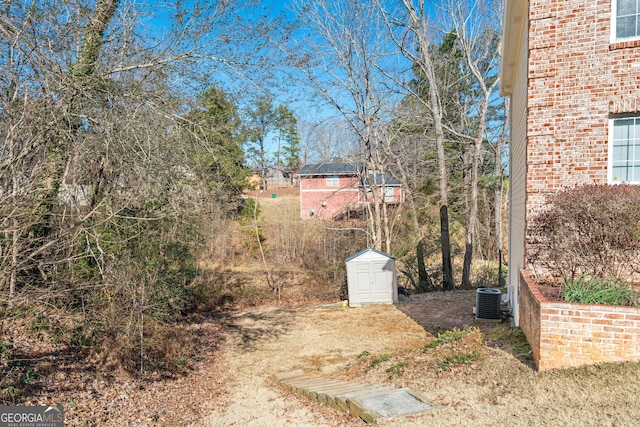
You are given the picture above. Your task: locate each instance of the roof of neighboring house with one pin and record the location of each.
(328, 169)
(389, 181)
(325, 169)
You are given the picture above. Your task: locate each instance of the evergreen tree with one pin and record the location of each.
(286, 123)
(260, 122)
(218, 158)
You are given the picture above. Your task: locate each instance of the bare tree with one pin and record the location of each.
(98, 190)
(327, 140)
(498, 191)
(342, 62)
(409, 27)
(478, 40)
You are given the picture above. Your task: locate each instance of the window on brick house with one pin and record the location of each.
(626, 22)
(388, 194)
(624, 150)
(333, 181)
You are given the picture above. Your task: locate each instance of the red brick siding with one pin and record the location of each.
(396, 197)
(565, 335)
(347, 195)
(577, 78)
(314, 192)
(529, 307)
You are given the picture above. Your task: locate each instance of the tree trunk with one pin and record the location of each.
(424, 281)
(387, 226)
(499, 188)
(447, 269)
(417, 24)
(466, 265)
(14, 263)
(82, 70)
(90, 50)
(472, 222)
(436, 111)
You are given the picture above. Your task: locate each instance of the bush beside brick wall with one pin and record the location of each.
(565, 335)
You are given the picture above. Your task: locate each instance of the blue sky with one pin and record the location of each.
(307, 107)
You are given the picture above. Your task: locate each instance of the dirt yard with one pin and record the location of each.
(478, 376)
(484, 376)
(479, 373)
(385, 345)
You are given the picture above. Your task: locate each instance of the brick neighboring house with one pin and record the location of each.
(334, 190)
(572, 71)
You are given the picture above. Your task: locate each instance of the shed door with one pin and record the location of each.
(364, 278)
(382, 280)
(373, 282)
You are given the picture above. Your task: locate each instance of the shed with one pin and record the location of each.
(371, 278)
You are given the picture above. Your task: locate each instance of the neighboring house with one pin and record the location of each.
(276, 178)
(335, 190)
(572, 70)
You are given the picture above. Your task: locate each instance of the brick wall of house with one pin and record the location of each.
(576, 79)
(317, 200)
(565, 335)
(314, 192)
(529, 316)
(397, 195)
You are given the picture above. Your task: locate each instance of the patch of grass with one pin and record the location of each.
(363, 353)
(29, 377)
(456, 359)
(455, 348)
(599, 291)
(397, 369)
(509, 339)
(4, 351)
(378, 360)
(450, 336)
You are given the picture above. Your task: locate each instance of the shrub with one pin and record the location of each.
(250, 209)
(588, 231)
(484, 274)
(251, 231)
(599, 292)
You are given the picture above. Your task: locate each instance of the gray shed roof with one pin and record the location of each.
(365, 250)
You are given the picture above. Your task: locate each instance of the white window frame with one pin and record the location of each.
(636, 157)
(333, 181)
(614, 23)
(389, 195)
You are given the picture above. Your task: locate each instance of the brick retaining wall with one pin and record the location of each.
(565, 335)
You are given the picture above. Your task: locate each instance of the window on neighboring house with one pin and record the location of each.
(624, 150)
(388, 194)
(333, 181)
(626, 19)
